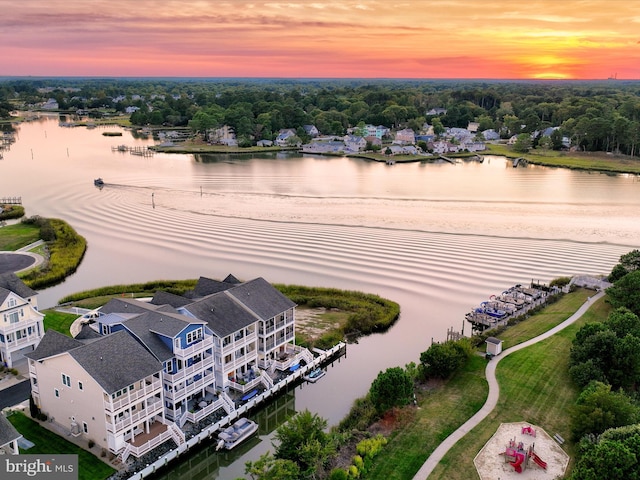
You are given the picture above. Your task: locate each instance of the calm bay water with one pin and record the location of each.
(436, 238)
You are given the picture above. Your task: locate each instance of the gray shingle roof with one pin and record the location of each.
(127, 305)
(116, 361)
(147, 326)
(4, 293)
(7, 431)
(207, 286)
(87, 333)
(237, 307)
(10, 281)
(166, 298)
(222, 313)
(53, 343)
(261, 298)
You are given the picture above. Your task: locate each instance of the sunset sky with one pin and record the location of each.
(583, 39)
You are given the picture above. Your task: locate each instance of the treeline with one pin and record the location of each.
(605, 363)
(596, 116)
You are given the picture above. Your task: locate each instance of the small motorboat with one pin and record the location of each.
(236, 433)
(98, 182)
(315, 375)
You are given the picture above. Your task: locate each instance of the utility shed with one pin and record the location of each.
(494, 346)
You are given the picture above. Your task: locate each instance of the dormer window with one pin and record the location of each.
(12, 302)
(194, 336)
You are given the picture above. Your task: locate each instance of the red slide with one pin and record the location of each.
(517, 465)
(539, 461)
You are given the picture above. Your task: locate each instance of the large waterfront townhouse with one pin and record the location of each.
(184, 346)
(21, 327)
(254, 329)
(107, 389)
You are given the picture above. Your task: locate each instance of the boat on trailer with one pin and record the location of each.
(236, 433)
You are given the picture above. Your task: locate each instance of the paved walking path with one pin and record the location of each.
(494, 392)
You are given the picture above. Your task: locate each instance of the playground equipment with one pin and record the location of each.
(529, 430)
(518, 457)
(534, 456)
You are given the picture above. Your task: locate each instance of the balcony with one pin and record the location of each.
(187, 390)
(205, 343)
(130, 397)
(203, 407)
(199, 367)
(128, 420)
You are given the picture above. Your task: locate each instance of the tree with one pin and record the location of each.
(626, 292)
(615, 456)
(303, 441)
(598, 408)
(523, 143)
(391, 388)
(441, 360)
(438, 128)
(627, 263)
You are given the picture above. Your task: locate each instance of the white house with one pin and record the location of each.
(354, 143)
(284, 135)
(107, 389)
(9, 437)
(21, 327)
(405, 136)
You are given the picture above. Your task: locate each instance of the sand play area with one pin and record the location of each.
(492, 463)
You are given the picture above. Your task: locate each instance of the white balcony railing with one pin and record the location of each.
(187, 390)
(131, 396)
(205, 343)
(199, 367)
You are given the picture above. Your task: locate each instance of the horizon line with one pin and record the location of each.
(528, 79)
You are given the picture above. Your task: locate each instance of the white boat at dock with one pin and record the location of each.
(236, 433)
(315, 375)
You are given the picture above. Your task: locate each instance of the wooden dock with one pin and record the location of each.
(11, 200)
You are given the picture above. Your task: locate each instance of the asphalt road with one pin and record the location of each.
(13, 262)
(15, 394)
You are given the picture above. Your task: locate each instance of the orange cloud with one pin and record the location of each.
(315, 38)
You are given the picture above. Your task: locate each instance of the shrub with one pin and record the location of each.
(91, 443)
(338, 474)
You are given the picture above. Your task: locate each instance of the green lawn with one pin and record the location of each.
(89, 467)
(441, 411)
(58, 321)
(13, 237)
(599, 161)
(534, 387)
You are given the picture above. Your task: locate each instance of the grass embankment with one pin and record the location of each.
(13, 237)
(66, 250)
(8, 212)
(596, 161)
(366, 313)
(534, 386)
(346, 312)
(46, 442)
(199, 147)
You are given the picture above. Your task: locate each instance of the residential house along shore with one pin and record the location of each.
(136, 375)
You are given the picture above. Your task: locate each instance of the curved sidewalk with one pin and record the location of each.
(494, 392)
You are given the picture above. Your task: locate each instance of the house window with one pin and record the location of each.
(105, 329)
(14, 317)
(85, 427)
(66, 380)
(169, 367)
(194, 336)
(80, 386)
(56, 392)
(12, 302)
